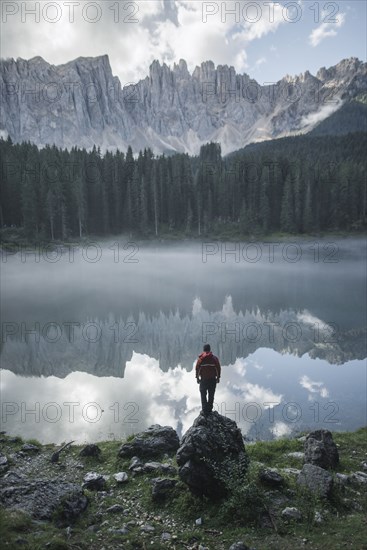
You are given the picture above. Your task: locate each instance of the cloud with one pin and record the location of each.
(146, 395)
(166, 30)
(314, 387)
(280, 429)
(260, 61)
(313, 118)
(326, 29)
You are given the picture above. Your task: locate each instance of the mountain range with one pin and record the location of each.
(81, 103)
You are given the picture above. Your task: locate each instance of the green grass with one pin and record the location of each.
(239, 517)
(273, 453)
(34, 442)
(352, 447)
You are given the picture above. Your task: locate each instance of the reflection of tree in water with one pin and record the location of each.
(102, 347)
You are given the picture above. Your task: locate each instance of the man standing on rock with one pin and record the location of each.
(207, 375)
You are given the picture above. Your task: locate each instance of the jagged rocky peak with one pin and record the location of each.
(181, 68)
(157, 70)
(167, 109)
(205, 72)
(348, 65)
(101, 62)
(37, 60)
(343, 68)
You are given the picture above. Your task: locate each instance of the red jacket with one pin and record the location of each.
(207, 366)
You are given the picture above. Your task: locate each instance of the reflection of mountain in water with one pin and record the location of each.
(103, 347)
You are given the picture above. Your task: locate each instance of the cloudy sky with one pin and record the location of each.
(265, 39)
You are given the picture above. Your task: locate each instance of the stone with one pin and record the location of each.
(123, 531)
(320, 449)
(316, 479)
(209, 451)
(318, 517)
(342, 479)
(4, 463)
(271, 478)
(90, 450)
(94, 481)
(358, 478)
(115, 509)
(42, 498)
(131, 523)
(239, 546)
(168, 469)
(121, 477)
(29, 448)
(136, 464)
(291, 513)
(146, 528)
(164, 468)
(162, 488)
(152, 466)
(166, 536)
(154, 441)
(3, 460)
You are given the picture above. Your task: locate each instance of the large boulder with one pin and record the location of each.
(211, 452)
(155, 441)
(162, 488)
(90, 450)
(44, 498)
(271, 477)
(316, 479)
(320, 449)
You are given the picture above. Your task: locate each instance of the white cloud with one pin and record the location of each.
(280, 429)
(166, 30)
(314, 387)
(260, 61)
(145, 396)
(239, 366)
(326, 29)
(313, 118)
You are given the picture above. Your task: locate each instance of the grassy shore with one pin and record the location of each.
(15, 239)
(239, 518)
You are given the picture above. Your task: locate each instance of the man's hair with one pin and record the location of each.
(206, 347)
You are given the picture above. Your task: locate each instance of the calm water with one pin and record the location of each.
(100, 342)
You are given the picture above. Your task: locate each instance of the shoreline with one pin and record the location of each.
(19, 243)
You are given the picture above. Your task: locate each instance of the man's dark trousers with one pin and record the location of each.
(207, 386)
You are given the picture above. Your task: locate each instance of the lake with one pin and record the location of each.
(99, 341)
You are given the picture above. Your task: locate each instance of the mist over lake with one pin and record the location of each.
(100, 341)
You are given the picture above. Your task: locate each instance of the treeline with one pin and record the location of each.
(295, 185)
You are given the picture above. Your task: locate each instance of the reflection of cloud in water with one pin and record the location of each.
(314, 387)
(146, 396)
(308, 319)
(247, 392)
